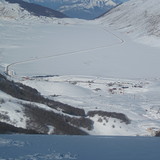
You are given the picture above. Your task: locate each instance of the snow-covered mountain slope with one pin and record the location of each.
(103, 106)
(86, 9)
(140, 18)
(99, 96)
(112, 82)
(92, 54)
(19, 9)
(12, 11)
(24, 107)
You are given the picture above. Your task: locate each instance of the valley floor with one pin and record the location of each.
(88, 66)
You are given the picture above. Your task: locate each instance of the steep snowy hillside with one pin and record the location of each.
(20, 9)
(24, 110)
(140, 18)
(85, 9)
(12, 11)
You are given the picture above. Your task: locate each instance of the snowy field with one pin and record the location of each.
(138, 99)
(91, 66)
(75, 49)
(22, 147)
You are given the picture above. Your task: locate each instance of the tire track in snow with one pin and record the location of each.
(121, 42)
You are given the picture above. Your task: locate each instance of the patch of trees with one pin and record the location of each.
(80, 122)
(45, 76)
(23, 92)
(8, 129)
(157, 134)
(65, 108)
(119, 116)
(4, 117)
(40, 119)
(19, 90)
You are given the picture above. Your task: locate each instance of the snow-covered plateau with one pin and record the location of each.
(85, 64)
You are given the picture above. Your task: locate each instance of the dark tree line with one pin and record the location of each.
(8, 129)
(119, 116)
(23, 92)
(40, 119)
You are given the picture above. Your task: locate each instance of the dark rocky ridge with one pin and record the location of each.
(8, 129)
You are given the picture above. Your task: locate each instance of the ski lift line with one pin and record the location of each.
(68, 53)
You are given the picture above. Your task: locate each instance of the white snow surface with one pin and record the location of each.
(12, 11)
(81, 3)
(137, 99)
(88, 4)
(84, 49)
(138, 18)
(97, 68)
(11, 111)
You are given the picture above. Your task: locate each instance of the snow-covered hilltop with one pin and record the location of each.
(11, 11)
(19, 9)
(85, 9)
(140, 18)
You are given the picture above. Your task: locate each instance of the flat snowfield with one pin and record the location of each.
(74, 49)
(37, 147)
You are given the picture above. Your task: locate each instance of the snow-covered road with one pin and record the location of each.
(114, 40)
(84, 49)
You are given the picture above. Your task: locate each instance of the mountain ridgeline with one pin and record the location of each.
(38, 10)
(83, 9)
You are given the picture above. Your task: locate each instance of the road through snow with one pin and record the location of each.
(119, 42)
(86, 49)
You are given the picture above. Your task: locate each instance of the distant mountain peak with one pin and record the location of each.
(85, 9)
